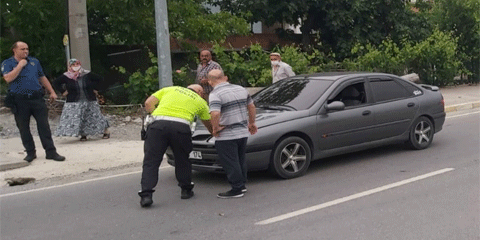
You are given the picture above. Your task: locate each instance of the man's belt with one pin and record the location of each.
(29, 95)
(173, 119)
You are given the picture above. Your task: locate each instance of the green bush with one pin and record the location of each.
(251, 67)
(384, 58)
(246, 67)
(434, 59)
(142, 84)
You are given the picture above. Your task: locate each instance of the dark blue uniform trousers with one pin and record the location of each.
(25, 107)
(160, 135)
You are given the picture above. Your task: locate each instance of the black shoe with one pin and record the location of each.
(186, 194)
(55, 157)
(30, 157)
(146, 198)
(243, 189)
(231, 194)
(146, 201)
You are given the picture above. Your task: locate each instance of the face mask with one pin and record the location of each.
(275, 63)
(76, 68)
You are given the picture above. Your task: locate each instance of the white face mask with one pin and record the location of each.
(76, 68)
(274, 63)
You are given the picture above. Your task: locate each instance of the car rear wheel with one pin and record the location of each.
(421, 133)
(291, 158)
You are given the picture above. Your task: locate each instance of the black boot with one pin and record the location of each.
(146, 198)
(30, 157)
(186, 194)
(55, 156)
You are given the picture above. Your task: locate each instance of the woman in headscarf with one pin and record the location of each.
(81, 115)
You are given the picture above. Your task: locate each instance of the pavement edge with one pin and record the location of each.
(463, 106)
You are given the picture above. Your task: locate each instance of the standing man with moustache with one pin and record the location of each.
(24, 75)
(206, 65)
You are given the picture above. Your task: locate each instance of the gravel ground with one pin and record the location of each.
(122, 128)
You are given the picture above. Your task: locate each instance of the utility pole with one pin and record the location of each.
(163, 44)
(78, 31)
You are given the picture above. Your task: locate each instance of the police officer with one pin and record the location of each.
(24, 75)
(177, 107)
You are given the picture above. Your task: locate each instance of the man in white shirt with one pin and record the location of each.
(280, 70)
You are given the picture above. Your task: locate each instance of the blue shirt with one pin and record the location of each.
(27, 80)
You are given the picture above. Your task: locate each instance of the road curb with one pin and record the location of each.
(463, 106)
(14, 165)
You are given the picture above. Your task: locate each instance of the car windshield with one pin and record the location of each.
(291, 94)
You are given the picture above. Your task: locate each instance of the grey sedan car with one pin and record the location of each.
(310, 117)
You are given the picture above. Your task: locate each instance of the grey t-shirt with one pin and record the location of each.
(231, 101)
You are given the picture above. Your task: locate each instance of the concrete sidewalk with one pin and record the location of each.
(99, 154)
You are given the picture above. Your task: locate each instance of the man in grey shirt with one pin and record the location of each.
(233, 117)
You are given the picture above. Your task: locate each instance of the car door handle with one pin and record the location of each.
(410, 104)
(365, 113)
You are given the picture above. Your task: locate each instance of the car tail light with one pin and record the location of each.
(442, 102)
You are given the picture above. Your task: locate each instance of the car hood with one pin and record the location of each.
(263, 118)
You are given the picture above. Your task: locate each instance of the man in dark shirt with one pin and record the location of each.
(24, 75)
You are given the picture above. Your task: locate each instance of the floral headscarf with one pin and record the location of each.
(75, 74)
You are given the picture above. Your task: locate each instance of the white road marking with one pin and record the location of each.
(351, 197)
(75, 183)
(461, 115)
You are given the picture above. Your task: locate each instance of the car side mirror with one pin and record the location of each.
(337, 105)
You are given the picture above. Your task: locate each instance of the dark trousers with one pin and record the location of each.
(231, 155)
(25, 108)
(160, 135)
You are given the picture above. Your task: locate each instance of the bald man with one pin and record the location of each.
(25, 78)
(205, 66)
(233, 119)
(173, 110)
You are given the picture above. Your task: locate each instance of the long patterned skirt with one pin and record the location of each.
(81, 119)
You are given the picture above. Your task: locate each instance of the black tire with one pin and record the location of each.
(421, 133)
(291, 158)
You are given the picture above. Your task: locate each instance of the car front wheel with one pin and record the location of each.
(421, 133)
(291, 158)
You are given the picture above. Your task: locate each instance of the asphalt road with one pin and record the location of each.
(385, 193)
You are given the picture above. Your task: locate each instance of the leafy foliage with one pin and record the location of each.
(133, 21)
(142, 84)
(462, 19)
(339, 23)
(39, 23)
(433, 59)
(248, 67)
(251, 66)
(42, 24)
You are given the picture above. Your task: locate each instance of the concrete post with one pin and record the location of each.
(78, 31)
(163, 44)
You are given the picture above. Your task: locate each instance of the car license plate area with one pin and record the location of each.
(195, 155)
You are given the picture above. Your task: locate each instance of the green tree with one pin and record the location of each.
(39, 23)
(133, 21)
(42, 24)
(462, 19)
(339, 23)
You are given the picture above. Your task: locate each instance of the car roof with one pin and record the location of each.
(333, 76)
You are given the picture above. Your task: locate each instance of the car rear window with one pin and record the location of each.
(411, 89)
(298, 93)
